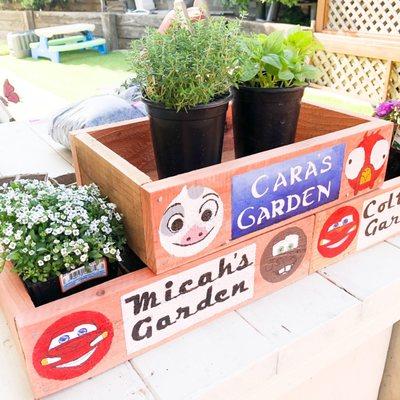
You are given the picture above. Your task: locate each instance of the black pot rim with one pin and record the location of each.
(271, 90)
(216, 103)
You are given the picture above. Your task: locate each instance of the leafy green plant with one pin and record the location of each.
(188, 66)
(38, 4)
(243, 5)
(46, 230)
(276, 60)
(35, 4)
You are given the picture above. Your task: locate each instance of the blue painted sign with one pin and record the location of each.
(272, 194)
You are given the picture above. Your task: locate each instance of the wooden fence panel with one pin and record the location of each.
(361, 17)
(366, 68)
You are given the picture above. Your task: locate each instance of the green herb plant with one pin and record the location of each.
(188, 66)
(278, 60)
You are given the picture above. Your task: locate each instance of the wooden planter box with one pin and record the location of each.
(374, 217)
(80, 336)
(135, 312)
(252, 194)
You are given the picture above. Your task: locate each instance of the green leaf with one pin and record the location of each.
(272, 59)
(274, 44)
(249, 71)
(310, 72)
(262, 38)
(285, 75)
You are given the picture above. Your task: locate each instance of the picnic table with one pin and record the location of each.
(50, 47)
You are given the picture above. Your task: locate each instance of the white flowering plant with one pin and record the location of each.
(46, 230)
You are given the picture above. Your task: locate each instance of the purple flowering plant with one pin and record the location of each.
(389, 110)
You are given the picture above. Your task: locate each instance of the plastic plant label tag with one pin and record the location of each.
(72, 279)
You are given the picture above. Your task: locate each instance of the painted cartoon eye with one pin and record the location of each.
(354, 163)
(206, 215)
(208, 210)
(290, 246)
(347, 219)
(379, 153)
(61, 339)
(84, 328)
(334, 226)
(281, 249)
(175, 223)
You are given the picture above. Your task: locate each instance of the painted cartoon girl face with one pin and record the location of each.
(191, 221)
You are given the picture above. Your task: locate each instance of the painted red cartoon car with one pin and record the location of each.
(338, 232)
(72, 345)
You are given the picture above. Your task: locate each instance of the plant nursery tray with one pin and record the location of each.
(178, 291)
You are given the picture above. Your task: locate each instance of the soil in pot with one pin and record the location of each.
(184, 141)
(71, 282)
(264, 119)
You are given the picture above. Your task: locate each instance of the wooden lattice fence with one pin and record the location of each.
(380, 17)
(362, 47)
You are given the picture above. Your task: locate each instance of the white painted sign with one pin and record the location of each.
(380, 219)
(157, 311)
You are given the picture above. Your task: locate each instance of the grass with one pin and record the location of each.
(80, 73)
(347, 103)
(3, 48)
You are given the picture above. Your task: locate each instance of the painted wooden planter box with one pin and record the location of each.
(339, 161)
(80, 336)
(337, 156)
(356, 224)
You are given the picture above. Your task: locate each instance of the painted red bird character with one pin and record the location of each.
(365, 163)
(9, 94)
(198, 12)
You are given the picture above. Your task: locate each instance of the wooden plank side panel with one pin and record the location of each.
(315, 121)
(247, 270)
(361, 47)
(14, 300)
(322, 13)
(164, 254)
(356, 225)
(116, 178)
(130, 140)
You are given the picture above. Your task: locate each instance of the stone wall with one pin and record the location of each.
(118, 29)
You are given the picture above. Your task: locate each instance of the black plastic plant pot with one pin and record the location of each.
(184, 141)
(264, 119)
(130, 261)
(69, 283)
